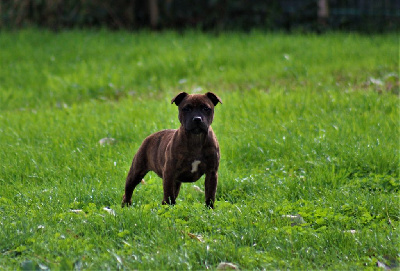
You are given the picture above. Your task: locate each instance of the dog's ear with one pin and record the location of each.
(179, 98)
(214, 98)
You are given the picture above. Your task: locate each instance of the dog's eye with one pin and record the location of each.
(186, 109)
(206, 108)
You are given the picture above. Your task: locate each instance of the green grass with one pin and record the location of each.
(309, 126)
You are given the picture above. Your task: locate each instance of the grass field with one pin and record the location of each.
(309, 136)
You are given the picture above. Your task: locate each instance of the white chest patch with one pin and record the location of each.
(195, 166)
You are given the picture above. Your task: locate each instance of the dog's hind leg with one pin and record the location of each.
(134, 177)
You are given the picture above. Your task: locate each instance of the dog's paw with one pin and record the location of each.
(209, 204)
(125, 202)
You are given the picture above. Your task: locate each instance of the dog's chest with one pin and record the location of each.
(191, 170)
(195, 166)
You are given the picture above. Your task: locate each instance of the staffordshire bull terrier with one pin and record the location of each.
(182, 155)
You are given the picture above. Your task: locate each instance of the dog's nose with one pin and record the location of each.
(197, 119)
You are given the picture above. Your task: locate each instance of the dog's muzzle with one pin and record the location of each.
(197, 125)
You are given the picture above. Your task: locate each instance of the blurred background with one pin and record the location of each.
(214, 15)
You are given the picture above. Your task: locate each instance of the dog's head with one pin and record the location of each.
(196, 111)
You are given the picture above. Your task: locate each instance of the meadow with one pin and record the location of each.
(309, 137)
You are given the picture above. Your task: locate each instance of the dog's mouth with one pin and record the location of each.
(197, 130)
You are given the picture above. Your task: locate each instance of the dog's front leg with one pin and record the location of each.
(210, 185)
(169, 189)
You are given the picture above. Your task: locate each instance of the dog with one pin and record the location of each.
(182, 155)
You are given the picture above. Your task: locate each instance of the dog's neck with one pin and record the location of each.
(194, 140)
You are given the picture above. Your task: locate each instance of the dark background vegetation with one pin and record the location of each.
(216, 15)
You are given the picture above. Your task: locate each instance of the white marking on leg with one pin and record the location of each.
(195, 166)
